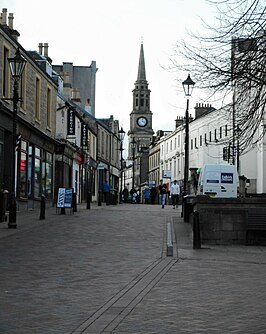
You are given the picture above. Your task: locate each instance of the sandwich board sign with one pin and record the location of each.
(64, 199)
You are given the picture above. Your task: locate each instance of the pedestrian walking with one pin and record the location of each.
(147, 195)
(125, 195)
(163, 189)
(175, 192)
(134, 195)
(106, 192)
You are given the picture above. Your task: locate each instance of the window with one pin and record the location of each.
(34, 172)
(103, 141)
(210, 136)
(142, 100)
(171, 147)
(5, 74)
(37, 99)
(47, 178)
(23, 81)
(49, 107)
(2, 158)
(215, 134)
(22, 175)
(221, 132)
(191, 144)
(175, 143)
(205, 138)
(200, 140)
(226, 131)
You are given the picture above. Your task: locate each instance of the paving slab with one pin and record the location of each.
(105, 270)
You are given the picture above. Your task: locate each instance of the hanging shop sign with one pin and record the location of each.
(84, 135)
(71, 122)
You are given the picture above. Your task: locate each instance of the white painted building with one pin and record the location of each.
(209, 134)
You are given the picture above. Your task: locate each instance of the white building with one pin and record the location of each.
(210, 136)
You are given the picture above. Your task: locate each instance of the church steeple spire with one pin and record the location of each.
(141, 115)
(141, 69)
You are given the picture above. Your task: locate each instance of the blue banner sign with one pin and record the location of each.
(64, 198)
(227, 178)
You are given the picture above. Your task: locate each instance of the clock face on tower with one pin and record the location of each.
(142, 121)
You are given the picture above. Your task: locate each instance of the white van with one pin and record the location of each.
(218, 180)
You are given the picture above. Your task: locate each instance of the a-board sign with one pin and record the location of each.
(64, 198)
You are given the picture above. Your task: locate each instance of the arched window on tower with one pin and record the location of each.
(142, 100)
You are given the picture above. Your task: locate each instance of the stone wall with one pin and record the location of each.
(224, 220)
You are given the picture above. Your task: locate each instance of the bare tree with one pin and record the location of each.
(230, 62)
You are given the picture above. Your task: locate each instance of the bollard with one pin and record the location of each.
(88, 200)
(99, 199)
(42, 211)
(196, 231)
(74, 202)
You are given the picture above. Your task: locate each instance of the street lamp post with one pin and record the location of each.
(121, 135)
(133, 145)
(188, 86)
(16, 64)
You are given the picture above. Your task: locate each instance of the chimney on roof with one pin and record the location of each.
(45, 50)
(202, 109)
(75, 95)
(3, 20)
(40, 48)
(179, 121)
(4, 16)
(10, 20)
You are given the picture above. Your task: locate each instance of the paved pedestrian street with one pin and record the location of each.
(105, 270)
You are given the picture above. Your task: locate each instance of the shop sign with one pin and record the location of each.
(167, 174)
(64, 198)
(70, 122)
(84, 135)
(101, 165)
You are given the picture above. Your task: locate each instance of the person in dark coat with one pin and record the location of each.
(125, 195)
(153, 194)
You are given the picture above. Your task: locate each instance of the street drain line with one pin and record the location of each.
(108, 317)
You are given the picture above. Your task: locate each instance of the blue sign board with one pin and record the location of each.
(64, 199)
(227, 178)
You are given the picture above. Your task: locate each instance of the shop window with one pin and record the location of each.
(2, 183)
(37, 177)
(34, 172)
(22, 179)
(23, 175)
(47, 175)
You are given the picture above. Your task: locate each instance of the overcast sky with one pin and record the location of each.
(110, 32)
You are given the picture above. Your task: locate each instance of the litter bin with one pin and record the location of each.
(3, 205)
(187, 206)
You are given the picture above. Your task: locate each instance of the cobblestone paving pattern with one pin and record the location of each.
(58, 273)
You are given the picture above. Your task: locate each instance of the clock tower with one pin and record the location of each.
(141, 116)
